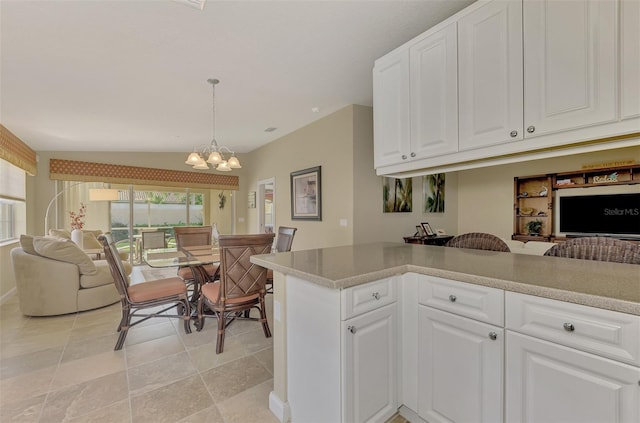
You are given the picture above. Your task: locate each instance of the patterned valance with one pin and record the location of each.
(71, 170)
(16, 152)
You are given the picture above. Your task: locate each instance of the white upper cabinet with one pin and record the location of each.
(630, 58)
(415, 100)
(570, 70)
(391, 108)
(434, 94)
(490, 75)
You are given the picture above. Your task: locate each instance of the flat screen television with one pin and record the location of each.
(598, 211)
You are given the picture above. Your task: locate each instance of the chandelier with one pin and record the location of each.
(213, 152)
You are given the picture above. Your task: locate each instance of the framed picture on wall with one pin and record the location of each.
(306, 194)
(251, 201)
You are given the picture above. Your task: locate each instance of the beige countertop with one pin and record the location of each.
(604, 285)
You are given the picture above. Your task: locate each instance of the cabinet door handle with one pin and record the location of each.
(413, 154)
(493, 336)
(452, 298)
(404, 157)
(569, 327)
(352, 329)
(376, 295)
(513, 134)
(531, 129)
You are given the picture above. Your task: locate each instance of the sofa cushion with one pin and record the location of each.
(60, 233)
(65, 250)
(26, 242)
(102, 276)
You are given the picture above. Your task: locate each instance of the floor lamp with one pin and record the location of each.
(95, 194)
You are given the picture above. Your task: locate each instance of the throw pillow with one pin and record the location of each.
(26, 242)
(60, 233)
(65, 250)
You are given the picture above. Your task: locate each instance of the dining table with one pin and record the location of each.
(194, 257)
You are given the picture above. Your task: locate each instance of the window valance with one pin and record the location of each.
(72, 170)
(16, 152)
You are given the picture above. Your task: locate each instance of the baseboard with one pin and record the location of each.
(410, 415)
(279, 409)
(7, 295)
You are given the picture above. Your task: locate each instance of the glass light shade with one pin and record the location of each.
(215, 157)
(193, 159)
(201, 166)
(223, 167)
(234, 163)
(103, 194)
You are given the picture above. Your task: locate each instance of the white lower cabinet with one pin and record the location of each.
(459, 368)
(370, 366)
(547, 382)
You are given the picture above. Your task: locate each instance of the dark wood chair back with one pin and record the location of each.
(285, 239)
(238, 276)
(597, 248)
(116, 267)
(187, 236)
(478, 241)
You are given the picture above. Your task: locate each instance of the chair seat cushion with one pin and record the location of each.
(211, 291)
(186, 274)
(160, 288)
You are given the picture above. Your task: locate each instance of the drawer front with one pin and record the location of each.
(474, 301)
(603, 332)
(362, 298)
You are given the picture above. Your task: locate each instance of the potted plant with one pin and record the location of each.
(534, 227)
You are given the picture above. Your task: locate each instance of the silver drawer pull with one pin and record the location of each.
(376, 295)
(569, 327)
(352, 329)
(493, 336)
(452, 298)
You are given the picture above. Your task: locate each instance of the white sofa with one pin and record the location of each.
(537, 248)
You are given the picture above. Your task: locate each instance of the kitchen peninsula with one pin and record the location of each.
(362, 331)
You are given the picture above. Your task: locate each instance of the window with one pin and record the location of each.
(13, 212)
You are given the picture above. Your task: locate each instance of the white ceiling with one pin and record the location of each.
(104, 75)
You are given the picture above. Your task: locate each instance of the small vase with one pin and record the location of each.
(76, 236)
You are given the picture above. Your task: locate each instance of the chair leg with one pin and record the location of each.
(200, 320)
(221, 327)
(263, 319)
(125, 323)
(185, 311)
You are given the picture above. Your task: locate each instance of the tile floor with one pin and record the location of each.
(64, 369)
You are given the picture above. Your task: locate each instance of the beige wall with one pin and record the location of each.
(485, 196)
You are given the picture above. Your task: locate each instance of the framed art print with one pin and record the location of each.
(306, 194)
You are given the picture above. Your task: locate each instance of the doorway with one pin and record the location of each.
(266, 209)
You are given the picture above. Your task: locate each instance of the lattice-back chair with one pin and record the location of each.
(283, 245)
(171, 292)
(478, 241)
(241, 286)
(153, 239)
(190, 236)
(597, 248)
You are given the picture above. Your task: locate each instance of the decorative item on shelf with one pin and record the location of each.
(543, 192)
(527, 211)
(77, 224)
(565, 182)
(534, 227)
(524, 194)
(213, 152)
(613, 177)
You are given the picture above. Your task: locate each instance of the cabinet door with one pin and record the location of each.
(369, 366)
(490, 59)
(570, 71)
(391, 109)
(630, 58)
(548, 382)
(434, 94)
(459, 368)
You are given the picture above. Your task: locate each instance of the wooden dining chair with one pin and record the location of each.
(478, 241)
(241, 286)
(283, 244)
(597, 248)
(189, 236)
(171, 292)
